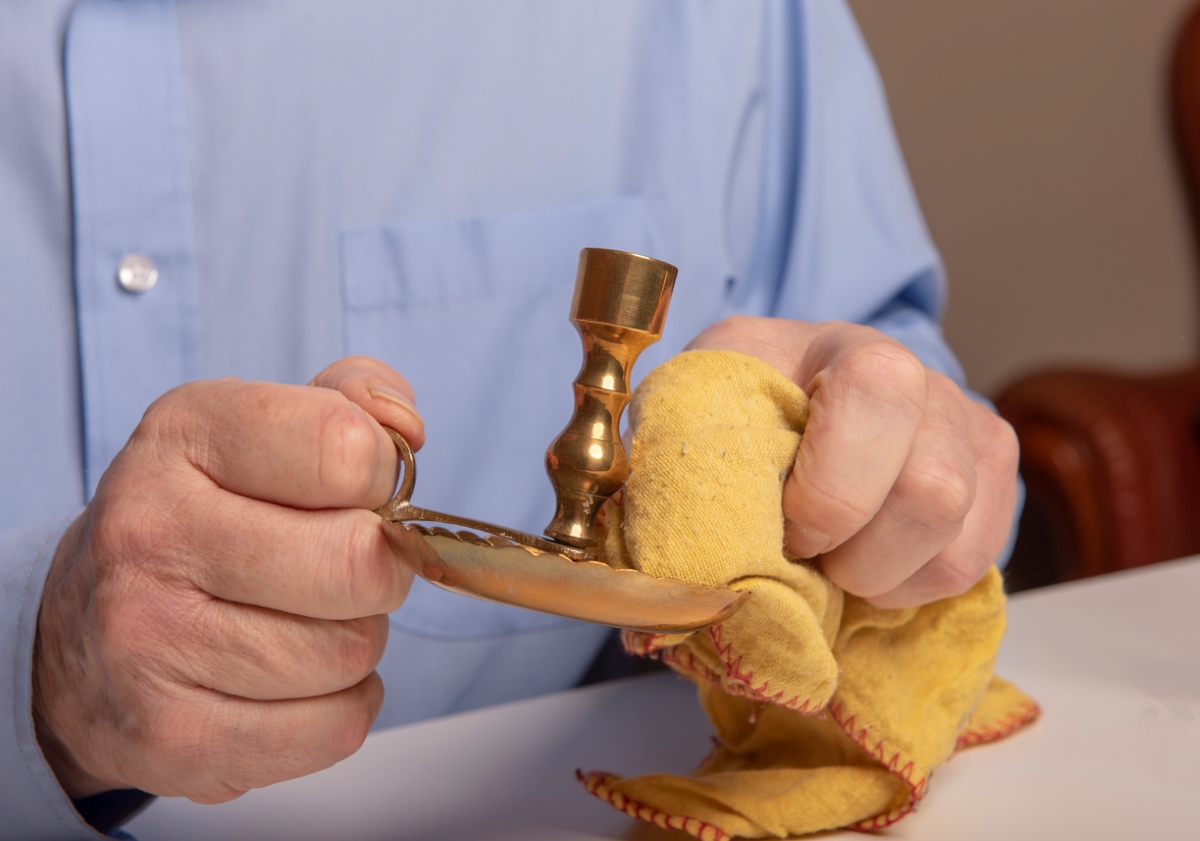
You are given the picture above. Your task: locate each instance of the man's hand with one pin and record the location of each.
(212, 621)
(903, 485)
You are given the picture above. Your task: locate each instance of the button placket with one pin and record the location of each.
(132, 198)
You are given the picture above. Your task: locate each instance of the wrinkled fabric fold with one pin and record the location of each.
(828, 712)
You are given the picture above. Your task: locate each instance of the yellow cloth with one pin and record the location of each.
(829, 712)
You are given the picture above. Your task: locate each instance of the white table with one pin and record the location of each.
(1114, 662)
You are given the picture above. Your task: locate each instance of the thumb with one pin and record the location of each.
(379, 391)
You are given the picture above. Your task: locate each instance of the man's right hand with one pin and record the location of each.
(212, 621)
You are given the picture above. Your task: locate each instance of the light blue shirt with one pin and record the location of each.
(412, 181)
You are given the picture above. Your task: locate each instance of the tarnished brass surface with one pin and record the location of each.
(619, 307)
(588, 590)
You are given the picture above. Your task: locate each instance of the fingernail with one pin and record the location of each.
(389, 395)
(807, 542)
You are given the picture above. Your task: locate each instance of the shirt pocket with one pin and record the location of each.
(473, 312)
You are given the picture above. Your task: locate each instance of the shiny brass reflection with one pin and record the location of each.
(619, 307)
(587, 590)
(519, 569)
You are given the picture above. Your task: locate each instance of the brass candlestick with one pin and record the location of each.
(619, 308)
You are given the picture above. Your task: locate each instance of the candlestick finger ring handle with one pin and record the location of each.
(619, 307)
(401, 510)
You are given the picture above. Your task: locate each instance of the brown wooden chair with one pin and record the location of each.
(1112, 462)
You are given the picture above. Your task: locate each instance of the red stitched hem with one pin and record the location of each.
(837, 711)
(617, 499)
(641, 643)
(745, 680)
(597, 784)
(681, 659)
(1017, 718)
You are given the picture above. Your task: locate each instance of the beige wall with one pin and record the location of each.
(1036, 134)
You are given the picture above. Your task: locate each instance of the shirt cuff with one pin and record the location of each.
(110, 809)
(33, 805)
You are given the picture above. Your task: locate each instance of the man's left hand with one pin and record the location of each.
(903, 485)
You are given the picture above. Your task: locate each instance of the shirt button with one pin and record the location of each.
(137, 273)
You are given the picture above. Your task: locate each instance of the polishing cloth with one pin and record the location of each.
(828, 712)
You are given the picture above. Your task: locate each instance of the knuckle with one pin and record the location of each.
(176, 424)
(822, 502)
(167, 736)
(181, 745)
(955, 576)
(351, 731)
(736, 325)
(731, 326)
(1001, 442)
(360, 645)
(372, 577)
(938, 493)
(879, 364)
(163, 416)
(826, 500)
(145, 639)
(851, 578)
(133, 531)
(169, 418)
(735, 332)
(347, 448)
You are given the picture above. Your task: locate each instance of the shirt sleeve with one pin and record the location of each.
(33, 805)
(849, 242)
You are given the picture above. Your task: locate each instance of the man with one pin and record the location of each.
(200, 190)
